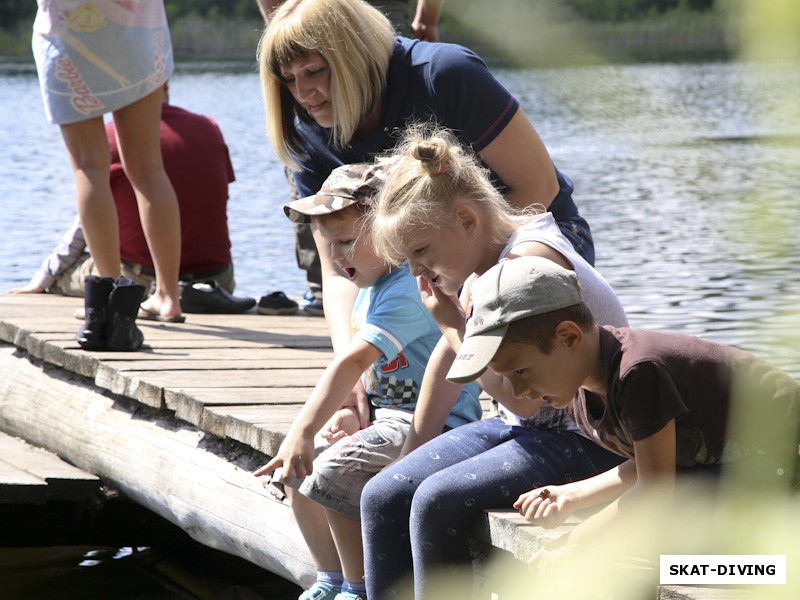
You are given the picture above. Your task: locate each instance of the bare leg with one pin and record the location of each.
(347, 535)
(87, 147)
(138, 133)
(313, 524)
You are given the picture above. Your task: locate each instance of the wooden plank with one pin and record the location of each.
(64, 481)
(253, 361)
(692, 592)
(261, 427)
(189, 403)
(17, 486)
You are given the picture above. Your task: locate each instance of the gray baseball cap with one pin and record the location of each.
(511, 290)
(346, 185)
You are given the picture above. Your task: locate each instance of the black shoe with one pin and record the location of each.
(122, 334)
(92, 334)
(277, 303)
(313, 305)
(209, 297)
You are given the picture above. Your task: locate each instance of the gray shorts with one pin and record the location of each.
(343, 469)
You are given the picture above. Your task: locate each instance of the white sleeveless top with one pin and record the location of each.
(597, 294)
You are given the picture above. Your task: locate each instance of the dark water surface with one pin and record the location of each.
(689, 175)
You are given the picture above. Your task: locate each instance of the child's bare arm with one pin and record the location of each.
(436, 399)
(648, 481)
(296, 453)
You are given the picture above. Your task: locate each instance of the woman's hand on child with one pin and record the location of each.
(344, 422)
(544, 506)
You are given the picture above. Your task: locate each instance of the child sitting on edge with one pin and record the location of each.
(393, 338)
(662, 400)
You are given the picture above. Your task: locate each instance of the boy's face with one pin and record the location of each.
(351, 248)
(533, 374)
(445, 256)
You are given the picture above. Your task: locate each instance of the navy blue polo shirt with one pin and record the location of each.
(426, 81)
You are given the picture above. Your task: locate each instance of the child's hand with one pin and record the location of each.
(446, 310)
(544, 506)
(343, 423)
(357, 399)
(295, 455)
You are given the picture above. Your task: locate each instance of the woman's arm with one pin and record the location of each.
(519, 157)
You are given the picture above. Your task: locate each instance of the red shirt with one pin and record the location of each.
(198, 165)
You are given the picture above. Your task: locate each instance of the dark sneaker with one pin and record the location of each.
(276, 303)
(313, 305)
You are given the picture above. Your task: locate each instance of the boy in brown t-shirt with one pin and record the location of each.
(668, 402)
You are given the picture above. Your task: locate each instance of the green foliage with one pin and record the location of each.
(615, 11)
(212, 9)
(13, 12)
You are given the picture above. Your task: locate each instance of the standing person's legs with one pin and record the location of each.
(90, 158)
(138, 132)
(305, 250)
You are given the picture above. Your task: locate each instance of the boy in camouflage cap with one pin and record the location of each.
(393, 337)
(345, 186)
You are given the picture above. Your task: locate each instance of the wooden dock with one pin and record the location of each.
(177, 426)
(180, 425)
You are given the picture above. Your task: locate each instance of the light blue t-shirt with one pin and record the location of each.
(390, 316)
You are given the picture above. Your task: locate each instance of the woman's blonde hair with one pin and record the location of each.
(427, 174)
(354, 38)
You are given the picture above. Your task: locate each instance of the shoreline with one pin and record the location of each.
(682, 37)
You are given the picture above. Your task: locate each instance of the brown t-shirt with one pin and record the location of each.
(653, 377)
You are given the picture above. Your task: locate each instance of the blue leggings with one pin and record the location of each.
(417, 514)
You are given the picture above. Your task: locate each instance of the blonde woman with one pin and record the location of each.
(338, 86)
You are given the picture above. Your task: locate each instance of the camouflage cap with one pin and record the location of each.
(345, 186)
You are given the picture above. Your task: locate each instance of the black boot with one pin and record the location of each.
(122, 334)
(92, 334)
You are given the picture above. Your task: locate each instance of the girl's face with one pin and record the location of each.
(445, 256)
(308, 78)
(351, 249)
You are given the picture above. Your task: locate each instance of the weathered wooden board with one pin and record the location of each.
(189, 404)
(147, 386)
(260, 427)
(17, 486)
(32, 475)
(692, 592)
